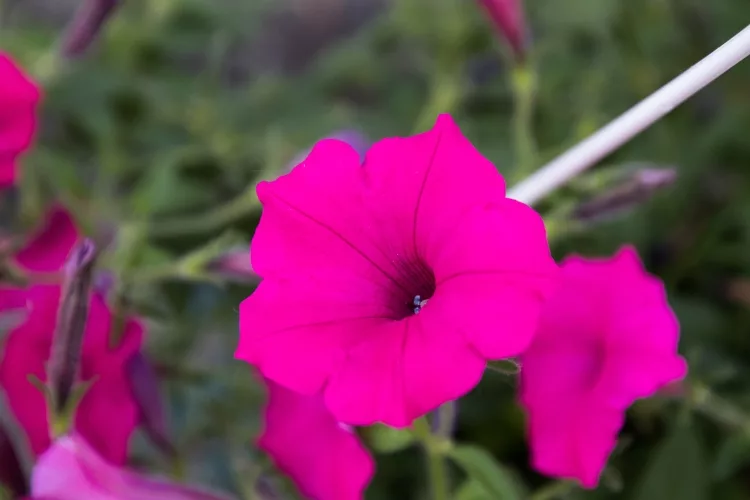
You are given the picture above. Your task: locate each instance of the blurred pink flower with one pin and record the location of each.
(72, 470)
(19, 97)
(387, 285)
(48, 247)
(508, 19)
(108, 413)
(324, 458)
(606, 338)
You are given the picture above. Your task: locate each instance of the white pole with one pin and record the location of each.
(632, 122)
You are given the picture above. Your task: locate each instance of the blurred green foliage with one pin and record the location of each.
(183, 105)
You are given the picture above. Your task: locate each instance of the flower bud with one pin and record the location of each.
(86, 26)
(71, 324)
(508, 19)
(634, 190)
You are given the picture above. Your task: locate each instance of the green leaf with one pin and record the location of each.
(386, 439)
(480, 466)
(677, 469)
(732, 455)
(472, 490)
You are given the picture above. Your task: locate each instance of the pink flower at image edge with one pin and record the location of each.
(49, 246)
(19, 97)
(387, 285)
(72, 470)
(324, 458)
(606, 338)
(108, 413)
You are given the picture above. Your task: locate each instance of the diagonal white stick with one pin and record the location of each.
(632, 122)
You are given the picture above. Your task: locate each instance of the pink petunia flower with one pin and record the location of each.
(606, 338)
(72, 470)
(49, 246)
(19, 97)
(108, 414)
(386, 285)
(324, 458)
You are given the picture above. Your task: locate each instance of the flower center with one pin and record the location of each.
(420, 299)
(417, 280)
(419, 303)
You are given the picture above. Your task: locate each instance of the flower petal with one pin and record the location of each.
(49, 247)
(499, 237)
(606, 338)
(110, 398)
(297, 332)
(456, 175)
(330, 212)
(72, 470)
(575, 445)
(18, 101)
(107, 416)
(493, 276)
(404, 370)
(15, 86)
(311, 222)
(12, 298)
(369, 385)
(21, 359)
(325, 460)
(438, 364)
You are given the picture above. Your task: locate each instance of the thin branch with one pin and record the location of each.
(632, 122)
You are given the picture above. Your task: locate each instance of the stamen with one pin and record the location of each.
(419, 303)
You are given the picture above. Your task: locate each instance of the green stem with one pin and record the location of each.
(446, 420)
(172, 271)
(524, 90)
(436, 471)
(703, 401)
(213, 220)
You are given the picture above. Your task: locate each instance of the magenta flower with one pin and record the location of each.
(19, 97)
(48, 247)
(324, 458)
(387, 285)
(108, 413)
(606, 338)
(72, 470)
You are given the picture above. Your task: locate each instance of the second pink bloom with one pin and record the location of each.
(607, 338)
